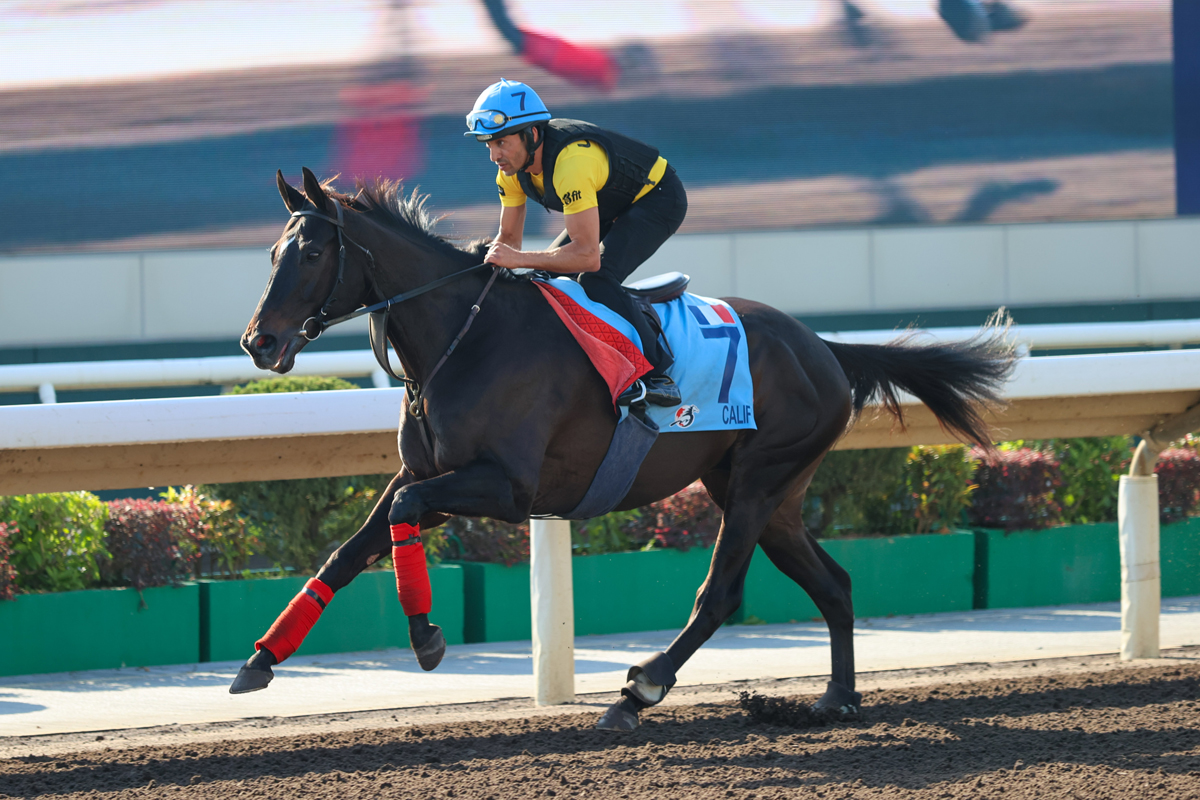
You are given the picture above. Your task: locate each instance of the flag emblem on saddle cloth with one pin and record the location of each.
(714, 314)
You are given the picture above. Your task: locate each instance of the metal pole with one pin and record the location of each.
(553, 608)
(1141, 584)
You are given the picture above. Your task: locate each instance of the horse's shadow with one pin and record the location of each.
(899, 208)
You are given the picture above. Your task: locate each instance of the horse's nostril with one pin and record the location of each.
(263, 342)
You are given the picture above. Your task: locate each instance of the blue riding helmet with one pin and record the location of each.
(505, 107)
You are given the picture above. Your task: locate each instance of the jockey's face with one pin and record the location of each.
(508, 152)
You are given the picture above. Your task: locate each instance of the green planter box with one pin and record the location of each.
(627, 592)
(1076, 564)
(106, 628)
(365, 615)
(1052, 567)
(617, 593)
(889, 576)
(1179, 556)
(496, 602)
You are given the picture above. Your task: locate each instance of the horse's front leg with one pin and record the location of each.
(479, 489)
(482, 488)
(368, 545)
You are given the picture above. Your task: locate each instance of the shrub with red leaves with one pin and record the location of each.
(688, 519)
(8, 575)
(1016, 490)
(150, 542)
(1178, 473)
(683, 521)
(486, 540)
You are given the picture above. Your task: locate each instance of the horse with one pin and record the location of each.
(516, 421)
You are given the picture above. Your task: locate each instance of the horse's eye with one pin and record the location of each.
(313, 255)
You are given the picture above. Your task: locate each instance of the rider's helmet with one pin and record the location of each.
(505, 107)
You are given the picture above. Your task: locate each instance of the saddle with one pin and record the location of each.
(659, 288)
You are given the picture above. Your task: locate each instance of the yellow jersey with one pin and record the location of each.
(580, 171)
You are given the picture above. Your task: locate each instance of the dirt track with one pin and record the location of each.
(1090, 730)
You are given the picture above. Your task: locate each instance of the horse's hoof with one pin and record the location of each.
(838, 704)
(429, 655)
(621, 716)
(251, 680)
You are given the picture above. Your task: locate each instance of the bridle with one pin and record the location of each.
(321, 321)
(312, 328)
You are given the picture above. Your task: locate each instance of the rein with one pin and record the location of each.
(379, 311)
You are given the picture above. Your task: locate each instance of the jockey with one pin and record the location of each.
(611, 189)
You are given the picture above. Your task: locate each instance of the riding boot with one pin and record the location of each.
(657, 390)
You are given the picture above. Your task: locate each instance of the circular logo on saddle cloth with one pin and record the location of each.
(685, 416)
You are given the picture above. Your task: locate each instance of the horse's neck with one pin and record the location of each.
(422, 328)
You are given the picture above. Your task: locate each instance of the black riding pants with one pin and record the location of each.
(630, 239)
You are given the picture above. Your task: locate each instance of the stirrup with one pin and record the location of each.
(631, 395)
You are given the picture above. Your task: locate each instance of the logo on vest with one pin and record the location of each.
(571, 197)
(685, 416)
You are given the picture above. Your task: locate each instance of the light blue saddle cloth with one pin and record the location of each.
(712, 361)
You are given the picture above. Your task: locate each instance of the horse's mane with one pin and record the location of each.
(385, 202)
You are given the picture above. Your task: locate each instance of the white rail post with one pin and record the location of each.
(1141, 584)
(553, 608)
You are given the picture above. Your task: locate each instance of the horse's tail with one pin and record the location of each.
(958, 381)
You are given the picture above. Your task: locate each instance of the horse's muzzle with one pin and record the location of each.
(268, 351)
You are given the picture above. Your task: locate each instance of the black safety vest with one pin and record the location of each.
(629, 165)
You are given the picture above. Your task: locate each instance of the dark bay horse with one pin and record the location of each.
(519, 420)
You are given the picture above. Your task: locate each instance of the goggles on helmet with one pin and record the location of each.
(488, 119)
(491, 123)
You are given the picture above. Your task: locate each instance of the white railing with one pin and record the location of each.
(46, 379)
(213, 370)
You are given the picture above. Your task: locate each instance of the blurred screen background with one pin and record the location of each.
(146, 123)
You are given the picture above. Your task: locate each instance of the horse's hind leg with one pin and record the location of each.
(794, 551)
(750, 500)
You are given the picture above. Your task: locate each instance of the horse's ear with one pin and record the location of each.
(291, 197)
(312, 189)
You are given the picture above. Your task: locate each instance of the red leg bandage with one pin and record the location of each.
(290, 628)
(587, 66)
(412, 574)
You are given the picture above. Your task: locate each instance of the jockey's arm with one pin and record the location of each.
(512, 226)
(581, 254)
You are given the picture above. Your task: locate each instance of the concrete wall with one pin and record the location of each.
(199, 295)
